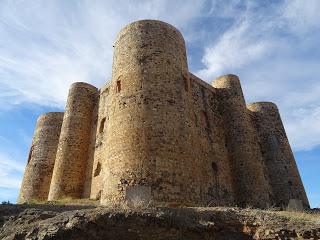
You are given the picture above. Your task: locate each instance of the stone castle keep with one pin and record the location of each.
(158, 133)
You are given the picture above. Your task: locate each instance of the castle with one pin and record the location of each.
(158, 133)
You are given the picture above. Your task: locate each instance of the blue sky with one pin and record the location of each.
(272, 45)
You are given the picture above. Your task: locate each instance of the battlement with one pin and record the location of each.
(158, 133)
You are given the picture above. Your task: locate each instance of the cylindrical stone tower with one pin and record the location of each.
(72, 154)
(284, 176)
(147, 142)
(38, 172)
(242, 142)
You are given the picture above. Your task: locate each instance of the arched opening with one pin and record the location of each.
(101, 128)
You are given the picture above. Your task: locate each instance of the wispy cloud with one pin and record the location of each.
(273, 48)
(10, 172)
(48, 45)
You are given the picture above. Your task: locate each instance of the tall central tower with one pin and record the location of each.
(147, 140)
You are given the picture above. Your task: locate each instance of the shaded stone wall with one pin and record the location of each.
(100, 143)
(72, 155)
(211, 162)
(87, 188)
(250, 178)
(283, 172)
(38, 172)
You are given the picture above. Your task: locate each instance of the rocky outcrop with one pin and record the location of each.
(87, 222)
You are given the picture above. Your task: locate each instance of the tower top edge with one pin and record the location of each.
(147, 22)
(262, 106)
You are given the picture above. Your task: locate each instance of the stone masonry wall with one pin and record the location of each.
(100, 143)
(87, 188)
(147, 147)
(72, 155)
(38, 172)
(283, 172)
(211, 161)
(158, 133)
(252, 187)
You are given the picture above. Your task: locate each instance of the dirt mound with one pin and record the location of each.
(88, 222)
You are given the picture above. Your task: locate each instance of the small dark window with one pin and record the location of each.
(290, 183)
(97, 170)
(118, 86)
(98, 196)
(30, 154)
(186, 83)
(196, 119)
(101, 128)
(214, 167)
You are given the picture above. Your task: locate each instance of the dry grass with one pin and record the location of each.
(303, 216)
(288, 214)
(65, 201)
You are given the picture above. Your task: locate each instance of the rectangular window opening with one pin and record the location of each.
(186, 83)
(101, 128)
(118, 86)
(30, 154)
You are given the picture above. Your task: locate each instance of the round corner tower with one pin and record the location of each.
(72, 154)
(38, 172)
(283, 173)
(146, 134)
(251, 184)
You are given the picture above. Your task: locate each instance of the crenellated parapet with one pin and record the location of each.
(156, 133)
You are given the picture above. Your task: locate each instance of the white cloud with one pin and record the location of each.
(48, 45)
(10, 172)
(304, 128)
(274, 51)
(234, 49)
(302, 16)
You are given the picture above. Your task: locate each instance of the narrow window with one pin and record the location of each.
(196, 119)
(102, 125)
(30, 154)
(118, 86)
(214, 167)
(97, 170)
(186, 83)
(290, 183)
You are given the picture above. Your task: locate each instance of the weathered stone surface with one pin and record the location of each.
(281, 167)
(42, 155)
(252, 187)
(158, 134)
(52, 222)
(69, 171)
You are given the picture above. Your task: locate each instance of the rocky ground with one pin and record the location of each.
(93, 222)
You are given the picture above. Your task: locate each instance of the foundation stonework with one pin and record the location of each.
(157, 133)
